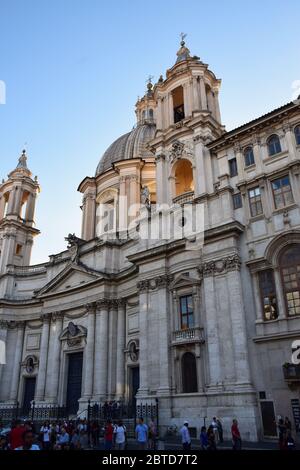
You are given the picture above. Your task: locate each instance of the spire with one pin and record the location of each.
(183, 53)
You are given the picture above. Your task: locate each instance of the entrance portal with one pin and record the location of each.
(74, 382)
(29, 390)
(134, 384)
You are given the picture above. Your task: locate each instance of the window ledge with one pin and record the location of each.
(285, 208)
(275, 158)
(256, 218)
(250, 167)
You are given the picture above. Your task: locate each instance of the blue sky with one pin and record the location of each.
(73, 70)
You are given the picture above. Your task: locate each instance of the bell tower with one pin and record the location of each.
(17, 204)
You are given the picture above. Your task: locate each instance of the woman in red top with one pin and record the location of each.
(16, 435)
(108, 435)
(236, 437)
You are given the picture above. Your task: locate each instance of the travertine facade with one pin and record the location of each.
(204, 329)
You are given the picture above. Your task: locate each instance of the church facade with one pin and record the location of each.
(202, 321)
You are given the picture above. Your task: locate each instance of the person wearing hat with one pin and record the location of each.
(185, 436)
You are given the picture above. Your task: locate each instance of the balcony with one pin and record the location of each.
(189, 335)
(184, 198)
(291, 372)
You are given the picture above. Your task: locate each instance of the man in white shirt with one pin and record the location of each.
(120, 436)
(185, 436)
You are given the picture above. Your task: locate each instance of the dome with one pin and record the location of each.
(128, 146)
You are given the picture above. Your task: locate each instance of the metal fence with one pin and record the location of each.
(35, 413)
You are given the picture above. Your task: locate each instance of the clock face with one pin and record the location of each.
(72, 329)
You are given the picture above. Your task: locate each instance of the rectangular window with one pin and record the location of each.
(268, 294)
(255, 201)
(233, 167)
(186, 312)
(237, 200)
(282, 192)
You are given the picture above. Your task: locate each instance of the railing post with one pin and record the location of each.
(32, 410)
(17, 411)
(157, 415)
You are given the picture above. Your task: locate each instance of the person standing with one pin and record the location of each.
(16, 435)
(28, 439)
(220, 430)
(141, 433)
(108, 435)
(236, 436)
(203, 438)
(214, 425)
(152, 435)
(45, 432)
(282, 431)
(120, 436)
(185, 436)
(211, 440)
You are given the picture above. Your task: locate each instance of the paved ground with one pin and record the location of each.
(175, 444)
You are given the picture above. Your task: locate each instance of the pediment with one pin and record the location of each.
(72, 277)
(184, 280)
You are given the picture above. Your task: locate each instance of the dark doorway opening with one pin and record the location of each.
(134, 384)
(74, 382)
(268, 418)
(29, 391)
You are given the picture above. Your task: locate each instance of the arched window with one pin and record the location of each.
(183, 177)
(151, 114)
(249, 156)
(274, 145)
(189, 373)
(297, 134)
(106, 214)
(290, 273)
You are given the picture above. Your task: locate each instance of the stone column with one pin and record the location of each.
(258, 156)
(159, 114)
(30, 208)
(89, 215)
(212, 335)
(3, 337)
(201, 180)
(88, 372)
(238, 324)
(41, 379)
(186, 100)
(121, 337)
(17, 202)
(2, 205)
(170, 110)
(290, 141)
(217, 105)
(112, 350)
(54, 359)
(164, 333)
(13, 395)
(279, 294)
(101, 351)
(143, 326)
(123, 205)
(196, 97)
(203, 94)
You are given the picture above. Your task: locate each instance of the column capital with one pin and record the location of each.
(57, 315)
(102, 304)
(90, 307)
(46, 317)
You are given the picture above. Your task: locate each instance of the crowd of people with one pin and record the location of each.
(82, 434)
(75, 435)
(213, 435)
